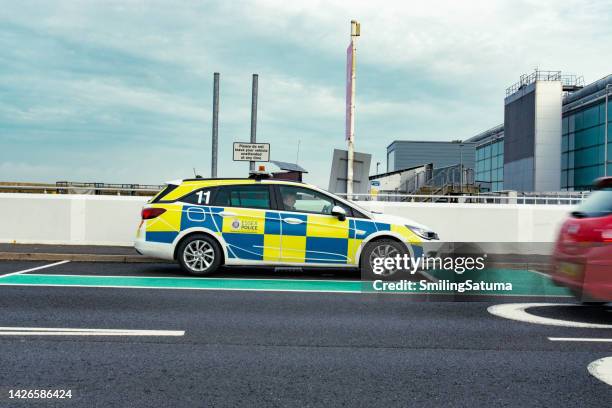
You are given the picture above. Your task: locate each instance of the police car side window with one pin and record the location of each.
(200, 197)
(251, 196)
(305, 200)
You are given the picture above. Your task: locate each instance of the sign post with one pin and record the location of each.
(374, 187)
(252, 152)
(254, 116)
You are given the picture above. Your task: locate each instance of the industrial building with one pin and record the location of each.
(555, 137)
(403, 154)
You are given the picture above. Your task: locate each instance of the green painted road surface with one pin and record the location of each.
(184, 283)
(524, 283)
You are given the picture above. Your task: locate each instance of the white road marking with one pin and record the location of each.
(43, 331)
(602, 369)
(545, 275)
(34, 269)
(31, 333)
(587, 339)
(195, 278)
(432, 278)
(516, 311)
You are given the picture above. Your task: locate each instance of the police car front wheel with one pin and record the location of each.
(199, 255)
(374, 254)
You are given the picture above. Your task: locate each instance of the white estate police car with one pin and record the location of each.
(205, 223)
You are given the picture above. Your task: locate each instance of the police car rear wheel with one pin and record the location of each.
(199, 255)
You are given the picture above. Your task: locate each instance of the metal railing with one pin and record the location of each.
(551, 199)
(560, 198)
(76, 189)
(567, 80)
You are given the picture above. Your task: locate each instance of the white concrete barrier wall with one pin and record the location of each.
(482, 222)
(69, 219)
(112, 220)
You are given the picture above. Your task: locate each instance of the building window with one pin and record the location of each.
(490, 164)
(583, 148)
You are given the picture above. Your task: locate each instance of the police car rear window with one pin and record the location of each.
(252, 196)
(164, 192)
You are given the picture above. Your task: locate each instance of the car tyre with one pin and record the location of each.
(380, 248)
(593, 303)
(585, 300)
(199, 255)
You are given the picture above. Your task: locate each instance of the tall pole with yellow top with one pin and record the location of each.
(350, 105)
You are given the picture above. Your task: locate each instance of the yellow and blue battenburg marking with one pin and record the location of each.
(264, 235)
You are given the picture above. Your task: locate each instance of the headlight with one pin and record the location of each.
(423, 233)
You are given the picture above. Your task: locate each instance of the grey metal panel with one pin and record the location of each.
(361, 172)
(519, 128)
(519, 140)
(518, 175)
(441, 154)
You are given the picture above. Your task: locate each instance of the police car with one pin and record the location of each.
(206, 223)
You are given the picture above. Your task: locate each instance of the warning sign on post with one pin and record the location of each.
(259, 152)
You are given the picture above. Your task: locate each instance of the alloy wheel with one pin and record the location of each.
(199, 255)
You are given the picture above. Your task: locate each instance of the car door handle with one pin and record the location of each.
(227, 214)
(293, 221)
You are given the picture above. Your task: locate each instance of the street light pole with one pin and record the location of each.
(254, 116)
(215, 126)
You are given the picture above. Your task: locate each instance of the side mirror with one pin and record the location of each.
(339, 212)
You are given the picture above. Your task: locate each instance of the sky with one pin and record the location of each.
(121, 91)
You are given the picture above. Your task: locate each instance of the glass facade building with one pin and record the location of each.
(489, 170)
(557, 135)
(586, 114)
(583, 149)
(490, 164)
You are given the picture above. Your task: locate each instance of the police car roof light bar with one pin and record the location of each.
(260, 173)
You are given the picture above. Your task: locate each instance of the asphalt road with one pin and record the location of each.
(262, 348)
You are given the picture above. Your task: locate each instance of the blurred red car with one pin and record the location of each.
(582, 258)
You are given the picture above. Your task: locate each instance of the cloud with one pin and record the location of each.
(127, 85)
